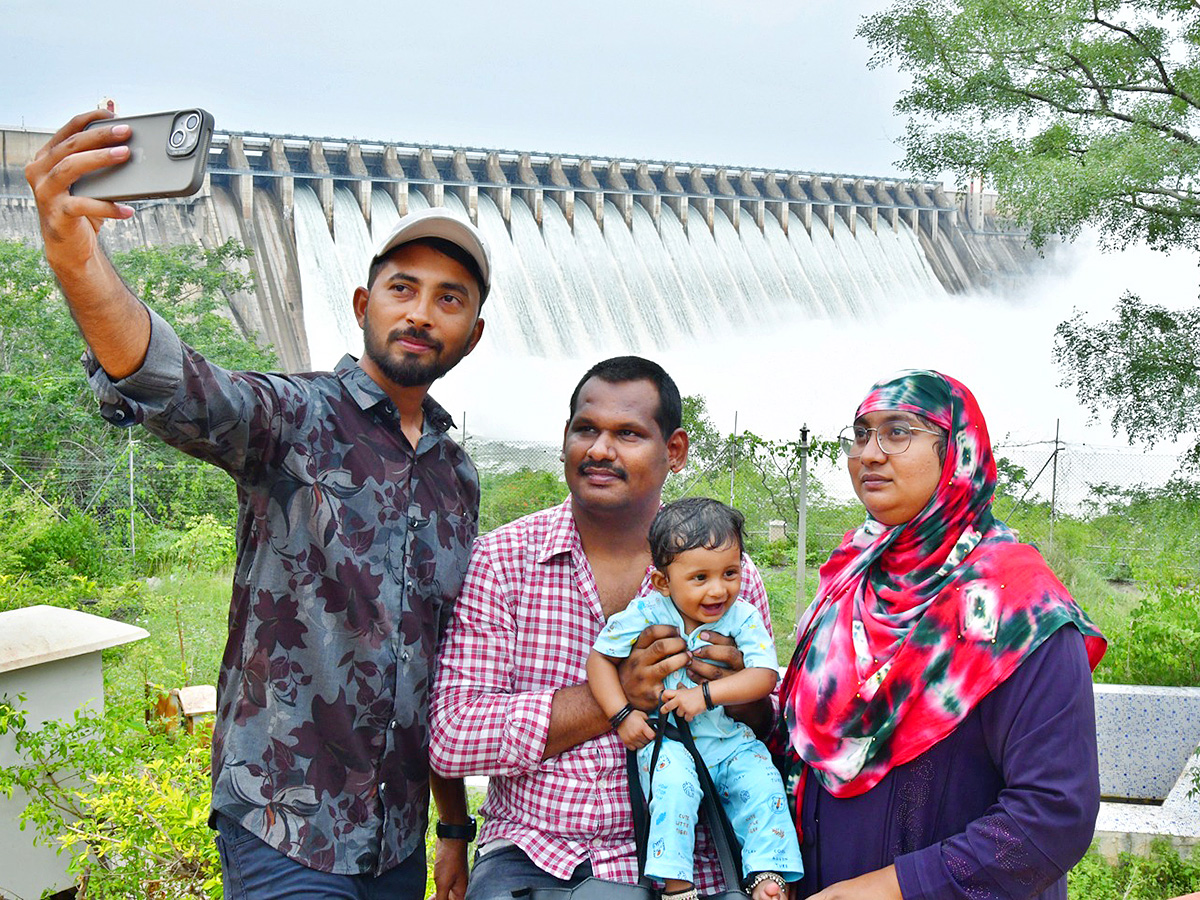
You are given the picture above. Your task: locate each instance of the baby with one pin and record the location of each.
(696, 545)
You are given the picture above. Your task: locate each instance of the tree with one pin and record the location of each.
(48, 419)
(1077, 111)
(1080, 112)
(1142, 368)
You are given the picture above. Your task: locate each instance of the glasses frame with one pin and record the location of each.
(878, 443)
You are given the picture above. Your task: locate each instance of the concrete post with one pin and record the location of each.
(618, 192)
(243, 184)
(594, 195)
(318, 165)
(867, 206)
(469, 192)
(361, 189)
(398, 189)
(727, 199)
(434, 189)
(565, 198)
(651, 201)
(501, 196)
(678, 202)
(704, 205)
(285, 185)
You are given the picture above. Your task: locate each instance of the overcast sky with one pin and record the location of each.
(761, 83)
(757, 83)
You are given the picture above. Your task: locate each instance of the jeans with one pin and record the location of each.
(497, 874)
(254, 870)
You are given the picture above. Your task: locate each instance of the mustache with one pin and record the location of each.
(585, 468)
(417, 335)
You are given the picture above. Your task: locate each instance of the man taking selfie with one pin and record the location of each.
(356, 517)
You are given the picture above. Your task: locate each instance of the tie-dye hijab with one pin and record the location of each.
(913, 624)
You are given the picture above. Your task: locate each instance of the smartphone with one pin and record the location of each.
(168, 156)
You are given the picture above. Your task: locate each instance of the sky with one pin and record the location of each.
(770, 83)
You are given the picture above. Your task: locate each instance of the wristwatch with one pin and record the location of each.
(457, 832)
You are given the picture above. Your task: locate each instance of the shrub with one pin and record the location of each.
(205, 545)
(130, 808)
(1159, 874)
(509, 496)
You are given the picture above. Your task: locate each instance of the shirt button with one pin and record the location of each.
(382, 786)
(393, 724)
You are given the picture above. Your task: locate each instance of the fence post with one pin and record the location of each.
(132, 530)
(1054, 484)
(802, 527)
(733, 458)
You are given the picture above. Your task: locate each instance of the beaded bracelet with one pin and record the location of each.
(708, 701)
(621, 716)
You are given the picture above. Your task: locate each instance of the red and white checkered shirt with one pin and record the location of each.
(527, 617)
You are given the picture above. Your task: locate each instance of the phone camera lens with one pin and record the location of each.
(192, 122)
(178, 137)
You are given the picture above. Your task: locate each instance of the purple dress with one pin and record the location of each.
(1001, 808)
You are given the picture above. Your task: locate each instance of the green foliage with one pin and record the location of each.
(505, 497)
(129, 807)
(1159, 874)
(205, 545)
(1141, 369)
(1078, 111)
(50, 434)
(1159, 642)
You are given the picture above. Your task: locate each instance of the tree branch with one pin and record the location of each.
(1163, 74)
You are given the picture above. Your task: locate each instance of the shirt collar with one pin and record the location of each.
(366, 393)
(563, 536)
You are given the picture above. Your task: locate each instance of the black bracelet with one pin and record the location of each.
(621, 716)
(455, 831)
(708, 704)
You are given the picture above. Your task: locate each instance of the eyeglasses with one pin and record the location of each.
(892, 438)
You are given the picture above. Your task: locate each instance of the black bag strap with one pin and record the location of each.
(729, 851)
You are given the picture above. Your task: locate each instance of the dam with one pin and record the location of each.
(592, 255)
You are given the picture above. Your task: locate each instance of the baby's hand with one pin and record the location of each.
(635, 732)
(685, 702)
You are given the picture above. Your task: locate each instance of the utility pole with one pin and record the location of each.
(802, 527)
(732, 458)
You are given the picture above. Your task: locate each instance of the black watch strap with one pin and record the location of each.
(457, 832)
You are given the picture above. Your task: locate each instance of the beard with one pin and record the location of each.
(401, 369)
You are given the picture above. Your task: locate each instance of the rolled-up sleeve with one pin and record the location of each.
(148, 391)
(1040, 727)
(230, 419)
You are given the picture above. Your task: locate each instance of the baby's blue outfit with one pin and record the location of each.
(748, 783)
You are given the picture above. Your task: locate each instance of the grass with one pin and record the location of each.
(187, 617)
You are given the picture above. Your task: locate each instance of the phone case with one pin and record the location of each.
(150, 171)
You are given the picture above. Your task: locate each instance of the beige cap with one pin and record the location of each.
(440, 223)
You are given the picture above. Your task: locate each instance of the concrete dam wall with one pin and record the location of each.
(591, 254)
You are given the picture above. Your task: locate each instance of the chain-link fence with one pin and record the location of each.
(1114, 508)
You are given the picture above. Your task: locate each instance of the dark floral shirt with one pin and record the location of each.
(351, 548)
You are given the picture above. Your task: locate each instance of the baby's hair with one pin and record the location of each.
(690, 523)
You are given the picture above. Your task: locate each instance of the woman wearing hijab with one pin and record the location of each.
(939, 712)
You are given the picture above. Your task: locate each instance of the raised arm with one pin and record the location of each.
(114, 323)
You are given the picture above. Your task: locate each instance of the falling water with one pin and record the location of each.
(572, 289)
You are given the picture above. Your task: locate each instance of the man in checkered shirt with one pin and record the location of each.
(509, 698)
